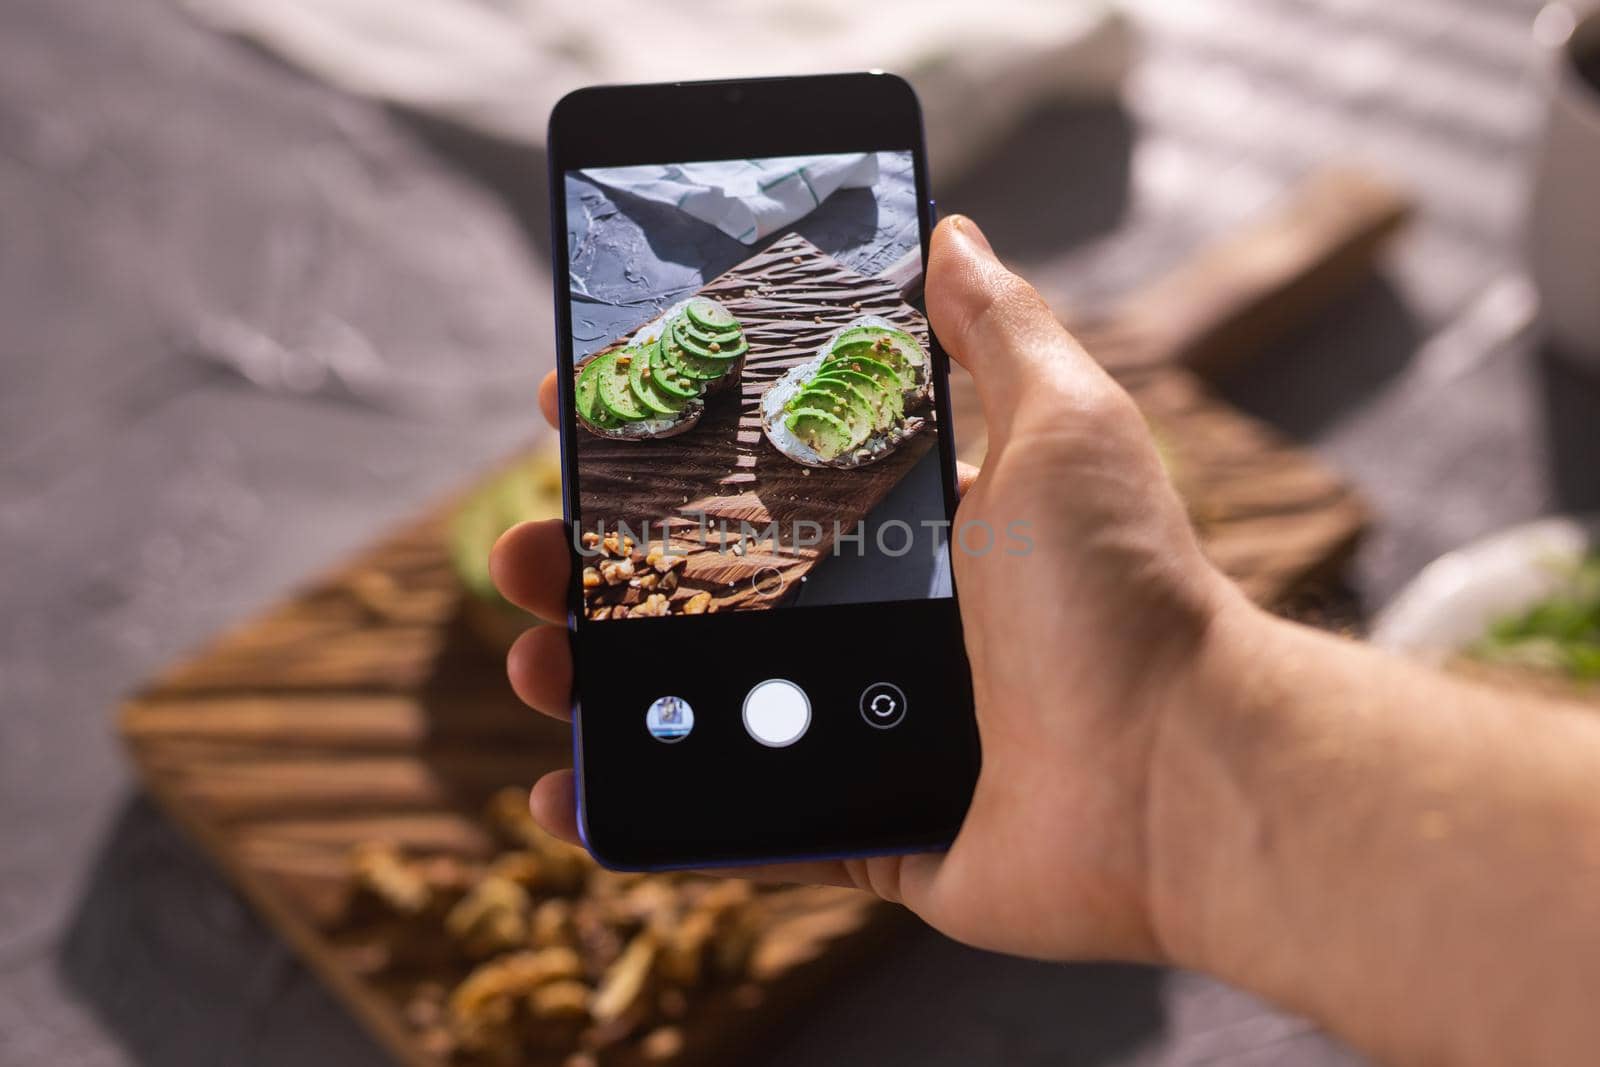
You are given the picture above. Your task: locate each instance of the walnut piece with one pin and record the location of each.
(622, 990)
(616, 571)
(565, 998)
(380, 871)
(575, 964)
(654, 604)
(483, 1010)
(662, 1044)
(684, 949)
(523, 868)
(491, 918)
(552, 923)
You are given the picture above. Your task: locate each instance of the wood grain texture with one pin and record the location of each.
(789, 298)
(1270, 515)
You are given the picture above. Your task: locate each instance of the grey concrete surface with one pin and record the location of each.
(245, 322)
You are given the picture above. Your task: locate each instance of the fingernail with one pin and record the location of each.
(969, 229)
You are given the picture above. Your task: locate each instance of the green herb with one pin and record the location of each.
(1559, 633)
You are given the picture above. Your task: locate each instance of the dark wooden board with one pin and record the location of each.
(1270, 515)
(788, 297)
(366, 707)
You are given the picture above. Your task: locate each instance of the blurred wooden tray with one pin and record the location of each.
(364, 708)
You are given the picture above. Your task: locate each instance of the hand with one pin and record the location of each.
(1078, 649)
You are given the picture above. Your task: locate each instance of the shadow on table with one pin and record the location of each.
(936, 1003)
(640, 237)
(1572, 415)
(1307, 380)
(177, 967)
(661, 233)
(1058, 180)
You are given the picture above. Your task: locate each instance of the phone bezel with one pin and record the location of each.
(621, 125)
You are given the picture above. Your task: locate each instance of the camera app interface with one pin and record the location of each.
(754, 389)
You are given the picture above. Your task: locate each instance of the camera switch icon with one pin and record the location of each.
(883, 705)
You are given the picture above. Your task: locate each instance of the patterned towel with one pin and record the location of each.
(745, 199)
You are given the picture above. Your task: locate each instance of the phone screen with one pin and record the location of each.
(768, 652)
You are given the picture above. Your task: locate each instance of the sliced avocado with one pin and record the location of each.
(530, 489)
(613, 390)
(667, 378)
(585, 394)
(827, 435)
(887, 377)
(645, 390)
(725, 353)
(691, 367)
(709, 315)
(868, 402)
(840, 401)
(884, 339)
(871, 332)
(681, 333)
(671, 355)
(889, 347)
(710, 337)
(891, 403)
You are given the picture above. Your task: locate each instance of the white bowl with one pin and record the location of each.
(1453, 601)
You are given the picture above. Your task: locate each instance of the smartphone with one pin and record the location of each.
(759, 474)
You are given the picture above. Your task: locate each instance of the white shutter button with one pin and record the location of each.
(777, 713)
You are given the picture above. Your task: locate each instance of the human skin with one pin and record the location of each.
(1172, 775)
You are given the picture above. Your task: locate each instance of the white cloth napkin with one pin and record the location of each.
(499, 65)
(745, 199)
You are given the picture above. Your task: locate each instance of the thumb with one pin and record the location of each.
(998, 327)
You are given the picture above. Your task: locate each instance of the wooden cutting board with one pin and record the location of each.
(789, 298)
(364, 707)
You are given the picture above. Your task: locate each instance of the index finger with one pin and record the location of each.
(549, 399)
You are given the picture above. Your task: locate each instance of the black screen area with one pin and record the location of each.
(758, 472)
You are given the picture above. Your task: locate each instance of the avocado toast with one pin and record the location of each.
(657, 384)
(851, 404)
